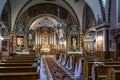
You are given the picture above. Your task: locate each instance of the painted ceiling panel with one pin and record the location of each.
(16, 5)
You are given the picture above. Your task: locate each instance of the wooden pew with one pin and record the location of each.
(75, 59)
(15, 64)
(19, 76)
(20, 61)
(87, 68)
(113, 74)
(13, 69)
(102, 71)
(19, 68)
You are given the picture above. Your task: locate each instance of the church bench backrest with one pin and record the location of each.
(20, 61)
(87, 67)
(32, 57)
(113, 74)
(15, 64)
(19, 76)
(14, 69)
(75, 59)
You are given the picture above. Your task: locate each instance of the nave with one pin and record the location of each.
(58, 67)
(59, 39)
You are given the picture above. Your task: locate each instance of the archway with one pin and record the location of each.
(90, 43)
(47, 33)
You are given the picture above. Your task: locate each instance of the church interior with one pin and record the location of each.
(59, 40)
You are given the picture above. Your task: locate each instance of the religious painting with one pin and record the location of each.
(4, 45)
(100, 40)
(20, 41)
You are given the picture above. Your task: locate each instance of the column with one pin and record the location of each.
(35, 38)
(55, 39)
(40, 39)
(102, 40)
(52, 38)
(0, 39)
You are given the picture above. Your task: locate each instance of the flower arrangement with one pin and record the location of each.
(100, 64)
(82, 58)
(37, 57)
(35, 65)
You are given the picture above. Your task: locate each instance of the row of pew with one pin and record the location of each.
(92, 68)
(19, 67)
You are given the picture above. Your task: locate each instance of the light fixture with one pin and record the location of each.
(1, 38)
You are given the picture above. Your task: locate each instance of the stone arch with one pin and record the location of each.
(90, 41)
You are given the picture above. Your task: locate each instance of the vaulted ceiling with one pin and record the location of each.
(74, 7)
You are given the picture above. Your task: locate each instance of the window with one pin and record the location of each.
(104, 3)
(118, 10)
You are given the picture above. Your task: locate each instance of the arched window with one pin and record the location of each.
(2, 3)
(104, 3)
(118, 11)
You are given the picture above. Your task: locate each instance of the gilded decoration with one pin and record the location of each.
(73, 39)
(20, 38)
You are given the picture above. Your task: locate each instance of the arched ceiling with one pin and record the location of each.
(43, 21)
(76, 9)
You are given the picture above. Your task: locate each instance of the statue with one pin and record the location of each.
(45, 40)
(74, 43)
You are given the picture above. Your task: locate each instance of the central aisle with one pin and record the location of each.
(55, 70)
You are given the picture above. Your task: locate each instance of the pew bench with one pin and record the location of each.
(19, 61)
(14, 69)
(114, 74)
(15, 64)
(24, 58)
(102, 71)
(19, 76)
(87, 68)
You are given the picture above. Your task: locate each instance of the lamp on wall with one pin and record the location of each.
(1, 38)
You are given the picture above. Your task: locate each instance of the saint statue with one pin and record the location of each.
(45, 39)
(74, 43)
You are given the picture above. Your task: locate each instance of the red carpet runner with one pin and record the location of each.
(56, 72)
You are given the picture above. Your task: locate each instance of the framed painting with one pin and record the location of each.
(4, 45)
(20, 40)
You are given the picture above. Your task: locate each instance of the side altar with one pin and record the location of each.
(74, 40)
